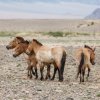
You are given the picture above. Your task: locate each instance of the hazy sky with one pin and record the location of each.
(47, 8)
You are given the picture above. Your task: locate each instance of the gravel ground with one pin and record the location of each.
(14, 84)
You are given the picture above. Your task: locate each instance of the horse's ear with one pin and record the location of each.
(85, 46)
(94, 49)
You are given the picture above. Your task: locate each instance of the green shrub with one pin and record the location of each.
(98, 95)
(55, 34)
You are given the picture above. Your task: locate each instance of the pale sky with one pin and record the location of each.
(47, 9)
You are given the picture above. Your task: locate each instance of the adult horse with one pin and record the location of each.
(86, 57)
(48, 55)
(19, 42)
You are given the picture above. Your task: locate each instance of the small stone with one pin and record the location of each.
(69, 98)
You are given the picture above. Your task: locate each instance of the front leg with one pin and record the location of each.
(48, 72)
(36, 74)
(41, 71)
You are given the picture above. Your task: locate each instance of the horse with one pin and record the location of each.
(14, 44)
(32, 61)
(86, 57)
(48, 55)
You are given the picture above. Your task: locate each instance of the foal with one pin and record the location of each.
(48, 55)
(87, 57)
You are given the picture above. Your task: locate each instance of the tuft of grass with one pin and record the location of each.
(98, 95)
(55, 34)
(5, 33)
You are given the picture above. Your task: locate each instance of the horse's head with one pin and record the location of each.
(33, 47)
(20, 48)
(92, 54)
(92, 57)
(14, 42)
(29, 50)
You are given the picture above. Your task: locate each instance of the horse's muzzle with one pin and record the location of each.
(93, 63)
(14, 55)
(7, 47)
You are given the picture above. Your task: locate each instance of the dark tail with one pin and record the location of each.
(63, 60)
(81, 63)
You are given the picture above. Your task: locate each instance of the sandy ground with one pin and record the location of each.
(14, 84)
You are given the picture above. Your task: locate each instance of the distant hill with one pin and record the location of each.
(94, 15)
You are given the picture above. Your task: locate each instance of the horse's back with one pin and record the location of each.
(49, 54)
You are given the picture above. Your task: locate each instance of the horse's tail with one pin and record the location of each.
(81, 62)
(63, 60)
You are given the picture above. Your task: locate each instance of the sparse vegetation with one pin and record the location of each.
(63, 34)
(5, 33)
(92, 23)
(54, 34)
(98, 95)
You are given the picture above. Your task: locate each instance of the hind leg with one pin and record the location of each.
(88, 73)
(55, 70)
(48, 72)
(60, 75)
(83, 73)
(80, 76)
(78, 72)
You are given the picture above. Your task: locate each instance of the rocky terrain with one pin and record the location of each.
(14, 84)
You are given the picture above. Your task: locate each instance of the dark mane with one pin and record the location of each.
(85, 46)
(25, 41)
(37, 42)
(20, 38)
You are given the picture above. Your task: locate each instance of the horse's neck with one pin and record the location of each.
(25, 46)
(36, 48)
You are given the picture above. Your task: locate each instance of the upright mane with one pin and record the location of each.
(25, 41)
(20, 38)
(37, 42)
(85, 46)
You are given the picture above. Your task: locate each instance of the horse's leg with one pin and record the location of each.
(30, 73)
(88, 73)
(80, 75)
(78, 72)
(55, 70)
(60, 75)
(61, 66)
(83, 73)
(33, 72)
(48, 72)
(36, 74)
(41, 71)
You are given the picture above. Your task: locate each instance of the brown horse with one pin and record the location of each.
(87, 57)
(47, 55)
(14, 44)
(32, 62)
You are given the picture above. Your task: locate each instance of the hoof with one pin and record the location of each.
(60, 80)
(41, 78)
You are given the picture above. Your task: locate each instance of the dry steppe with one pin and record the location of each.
(14, 84)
